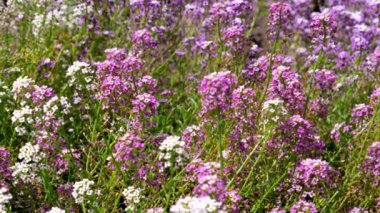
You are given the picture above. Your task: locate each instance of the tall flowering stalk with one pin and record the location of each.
(216, 90)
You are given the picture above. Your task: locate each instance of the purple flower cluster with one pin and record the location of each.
(243, 102)
(361, 113)
(371, 164)
(280, 16)
(143, 38)
(285, 84)
(311, 177)
(208, 182)
(145, 104)
(193, 135)
(324, 79)
(123, 87)
(323, 27)
(127, 149)
(297, 135)
(303, 206)
(225, 11)
(375, 97)
(216, 90)
(234, 37)
(5, 158)
(319, 107)
(257, 71)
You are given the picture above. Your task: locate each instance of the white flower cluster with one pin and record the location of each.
(31, 153)
(195, 205)
(132, 197)
(56, 210)
(274, 110)
(5, 197)
(155, 210)
(27, 170)
(62, 15)
(4, 91)
(82, 189)
(19, 85)
(80, 71)
(22, 115)
(172, 149)
(29, 112)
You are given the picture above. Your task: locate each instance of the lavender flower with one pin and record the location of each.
(361, 113)
(127, 150)
(285, 85)
(144, 39)
(375, 97)
(324, 79)
(303, 207)
(280, 15)
(311, 177)
(5, 172)
(297, 135)
(371, 164)
(358, 210)
(323, 27)
(234, 37)
(216, 90)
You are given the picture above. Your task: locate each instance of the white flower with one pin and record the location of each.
(56, 210)
(26, 172)
(78, 66)
(19, 116)
(30, 153)
(21, 83)
(82, 189)
(195, 205)
(132, 194)
(5, 197)
(172, 146)
(274, 110)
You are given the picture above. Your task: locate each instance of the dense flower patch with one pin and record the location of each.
(190, 106)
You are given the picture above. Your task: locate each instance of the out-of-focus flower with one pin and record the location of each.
(303, 207)
(371, 164)
(195, 204)
(132, 197)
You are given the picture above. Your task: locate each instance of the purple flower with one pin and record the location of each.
(143, 38)
(127, 150)
(145, 104)
(303, 207)
(361, 113)
(375, 96)
(324, 79)
(193, 135)
(319, 107)
(257, 71)
(285, 85)
(5, 158)
(280, 15)
(323, 27)
(47, 62)
(297, 135)
(234, 37)
(311, 177)
(216, 91)
(358, 210)
(371, 164)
